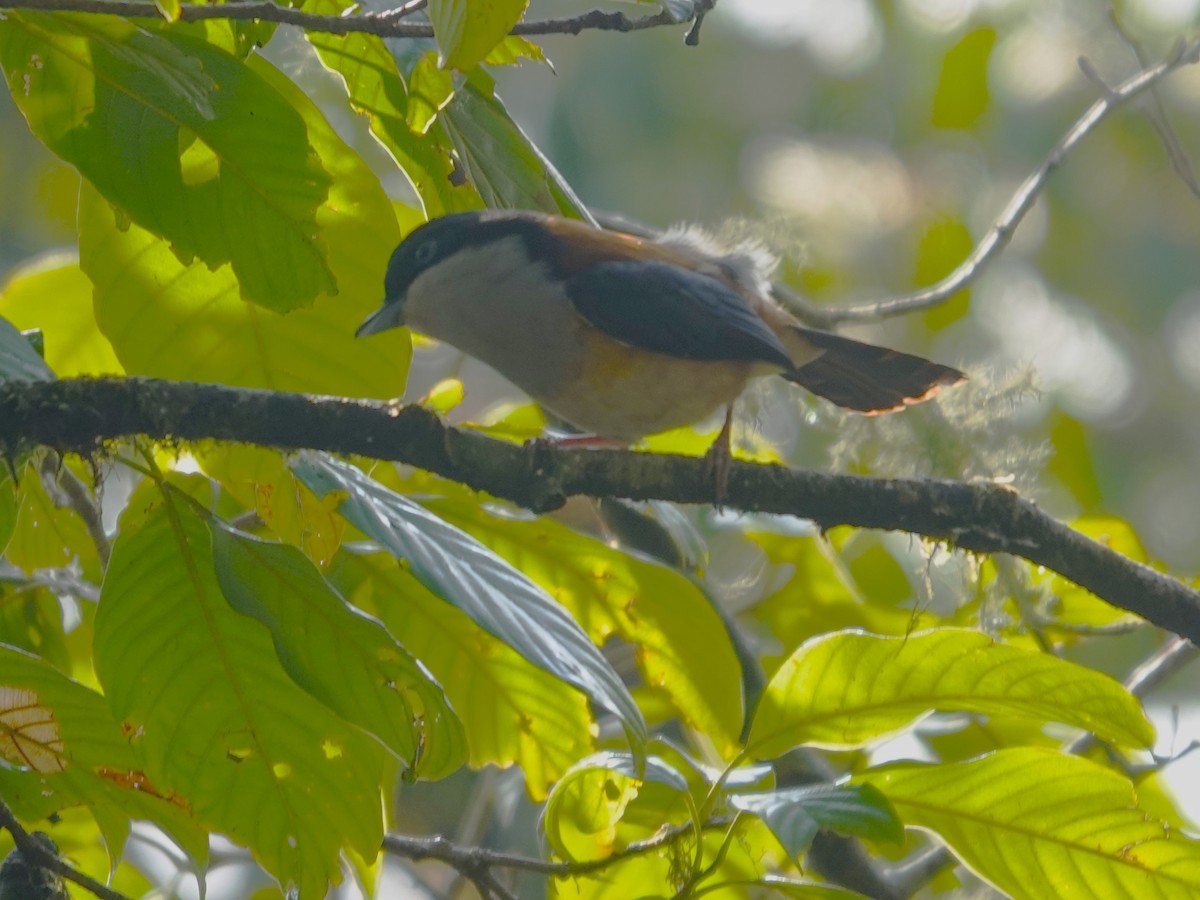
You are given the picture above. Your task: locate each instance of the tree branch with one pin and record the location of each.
(79, 415)
(382, 24)
(34, 852)
(1001, 232)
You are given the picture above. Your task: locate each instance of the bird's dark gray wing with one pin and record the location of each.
(671, 310)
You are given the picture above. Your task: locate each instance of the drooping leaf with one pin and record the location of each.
(1037, 823)
(848, 689)
(683, 647)
(468, 31)
(512, 711)
(464, 573)
(377, 90)
(430, 89)
(169, 320)
(795, 815)
(216, 718)
(345, 659)
(501, 162)
(210, 156)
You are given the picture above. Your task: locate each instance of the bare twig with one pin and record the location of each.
(1174, 654)
(477, 863)
(382, 24)
(1157, 114)
(34, 851)
(1001, 232)
(69, 492)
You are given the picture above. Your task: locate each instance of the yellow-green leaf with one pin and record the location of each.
(513, 712)
(848, 689)
(211, 156)
(53, 294)
(468, 30)
(683, 648)
(1038, 824)
(171, 320)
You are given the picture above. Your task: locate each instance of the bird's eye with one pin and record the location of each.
(425, 253)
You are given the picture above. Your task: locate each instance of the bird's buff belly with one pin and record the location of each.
(625, 393)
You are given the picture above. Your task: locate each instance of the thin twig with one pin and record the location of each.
(477, 863)
(382, 24)
(69, 492)
(36, 853)
(1001, 232)
(1157, 114)
(1168, 659)
(406, 9)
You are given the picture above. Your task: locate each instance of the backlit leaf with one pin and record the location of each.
(848, 689)
(211, 157)
(345, 659)
(1037, 823)
(464, 573)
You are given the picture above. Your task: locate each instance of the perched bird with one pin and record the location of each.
(624, 337)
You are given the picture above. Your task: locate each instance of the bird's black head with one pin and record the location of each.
(429, 244)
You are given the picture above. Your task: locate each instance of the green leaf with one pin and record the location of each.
(171, 320)
(62, 747)
(464, 573)
(211, 156)
(505, 166)
(46, 535)
(8, 507)
(217, 719)
(818, 596)
(512, 50)
(378, 91)
(795, 815)
(800, 890)
(513, 712)
(962, 95)
(18, 360)
(683, 647)
(31, 616)
(1036, 823)
(583, 809)
(345, 659)
(53, 294)
(468, 30)
(848, 689)
(430, 89)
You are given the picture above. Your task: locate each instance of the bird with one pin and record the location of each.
(622, 336)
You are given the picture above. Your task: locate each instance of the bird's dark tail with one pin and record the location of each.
(864, 377)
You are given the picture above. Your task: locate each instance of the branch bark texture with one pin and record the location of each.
(382, 24)
(81, 415)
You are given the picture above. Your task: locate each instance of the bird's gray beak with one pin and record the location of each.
(390, 315)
